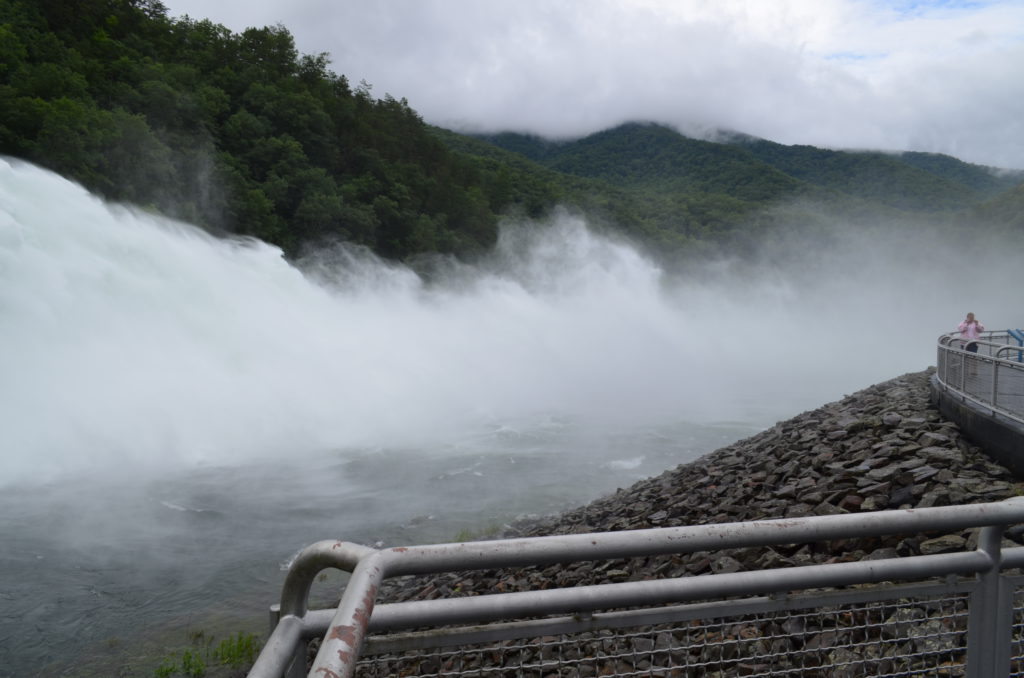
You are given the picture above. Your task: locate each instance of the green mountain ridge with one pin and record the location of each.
(759, 170)
(1005, 210)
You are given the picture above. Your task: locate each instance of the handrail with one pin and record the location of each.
(986, 378)
(350, 622)
(949, 338)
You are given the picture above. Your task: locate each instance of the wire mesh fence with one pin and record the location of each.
(1017, 633)
(904, 637)
(992, 376)
(958, 613)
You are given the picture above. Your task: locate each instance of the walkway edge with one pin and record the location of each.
(1000, 438)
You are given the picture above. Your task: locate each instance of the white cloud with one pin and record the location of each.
(933, 76)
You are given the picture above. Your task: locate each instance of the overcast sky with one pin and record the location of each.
(901, 75)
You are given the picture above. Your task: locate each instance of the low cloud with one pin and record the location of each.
(840, 74)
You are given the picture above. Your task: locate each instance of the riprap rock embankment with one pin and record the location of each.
(884, 447)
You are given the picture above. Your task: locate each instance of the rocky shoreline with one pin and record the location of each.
(884, 447)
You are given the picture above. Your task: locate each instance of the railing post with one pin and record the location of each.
(995, 384)
(297, 669)
(963, 372)
(1019, 336)
(297, 664)
(339, 649)
(990, 621)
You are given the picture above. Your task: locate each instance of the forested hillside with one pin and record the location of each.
(1006, 210)
(241, 133)
(757, 170)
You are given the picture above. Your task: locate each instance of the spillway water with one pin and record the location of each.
(179, 414)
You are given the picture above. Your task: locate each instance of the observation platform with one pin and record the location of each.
(983, 393)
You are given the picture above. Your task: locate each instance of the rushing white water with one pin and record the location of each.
(185, 411)
(127, 339)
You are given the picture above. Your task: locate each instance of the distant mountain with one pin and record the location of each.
(917, 181)
(985, 180)
(637, 154)
(1006, 209)
(752, 169)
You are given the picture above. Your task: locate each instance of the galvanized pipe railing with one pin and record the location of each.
(355, 615)
(286, 646)
(976, 376)
(987, 378)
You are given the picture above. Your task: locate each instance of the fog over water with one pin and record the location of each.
(184, 412)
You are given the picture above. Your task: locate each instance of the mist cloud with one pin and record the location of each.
(130, 341)
(942, 77)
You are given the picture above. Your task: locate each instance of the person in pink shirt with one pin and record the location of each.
(970, 329)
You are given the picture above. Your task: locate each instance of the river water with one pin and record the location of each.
(180, 414)
(101, 571)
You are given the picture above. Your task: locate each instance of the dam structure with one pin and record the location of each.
(879, 535)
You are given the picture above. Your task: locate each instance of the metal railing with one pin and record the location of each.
(992, 378)
(957, 613)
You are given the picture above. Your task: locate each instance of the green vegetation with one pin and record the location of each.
(1006, 209)
(202, 658)
(238, 651)
(465, 534)
(235, 132)
(240, 133)
(680, 191)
